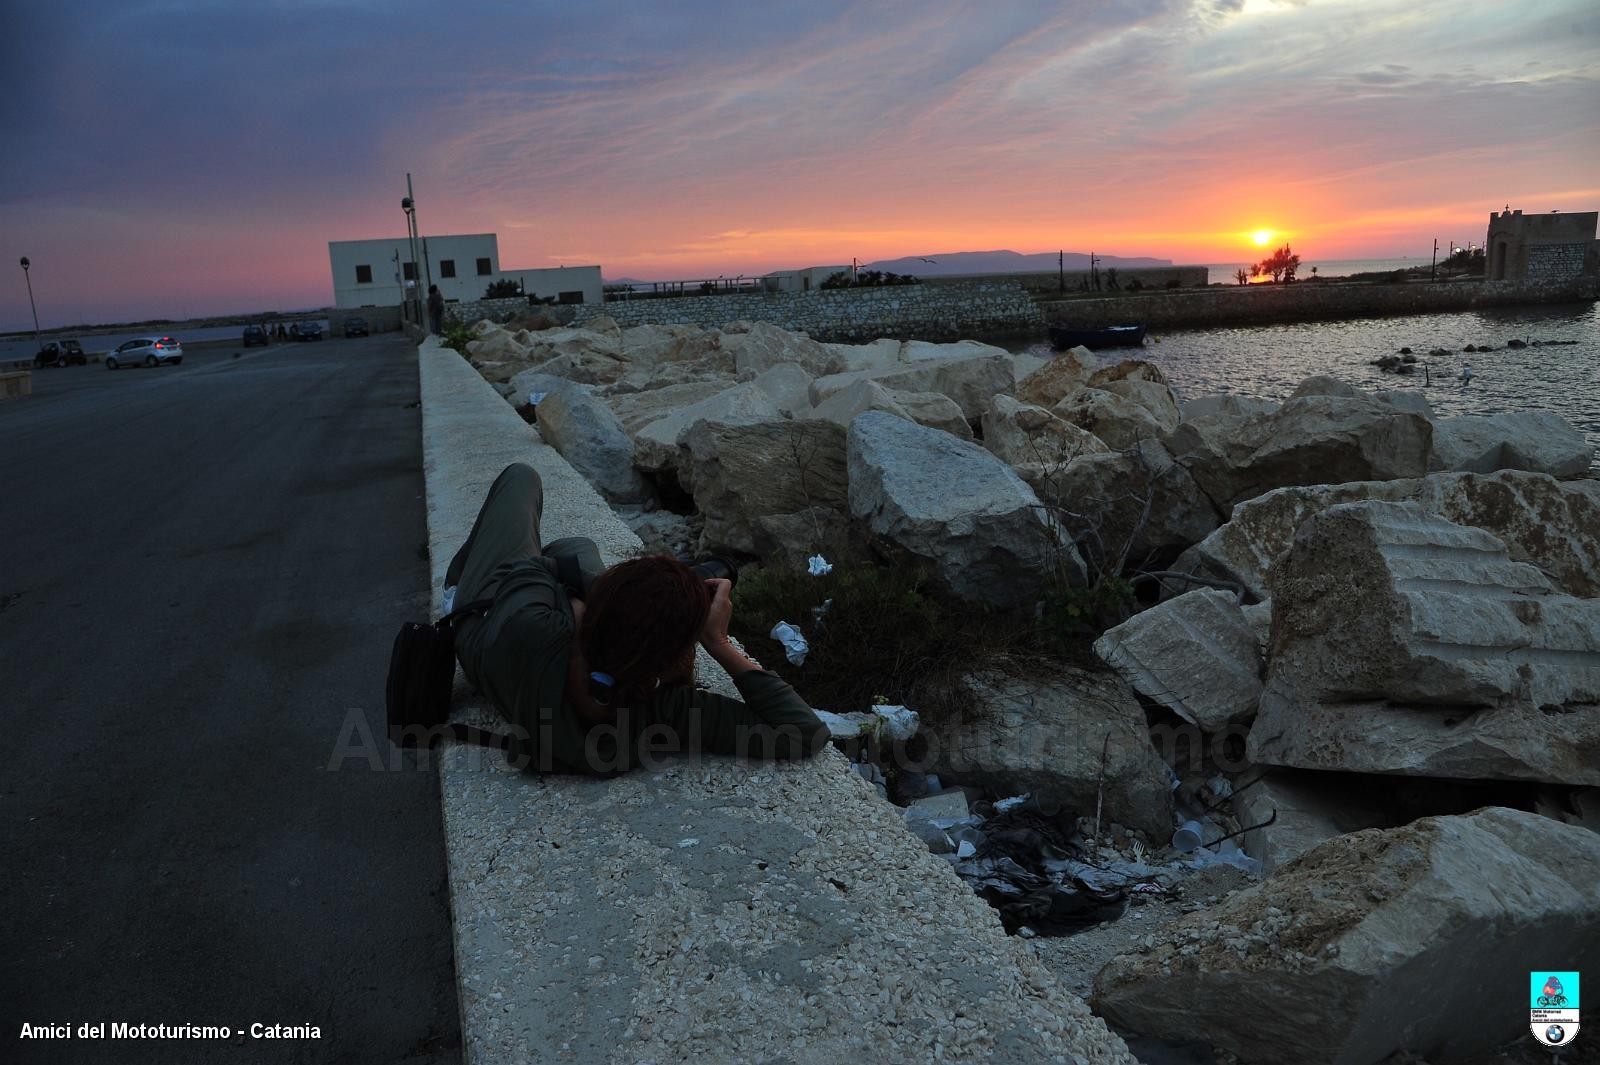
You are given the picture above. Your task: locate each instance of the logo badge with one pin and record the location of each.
(1553, 1006)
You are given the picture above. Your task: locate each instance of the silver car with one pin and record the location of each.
(145, 351)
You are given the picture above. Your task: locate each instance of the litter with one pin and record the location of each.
(818, 566)
(1002, 805)
(819, 612)
(690, 842)
(534, 398)
(1189, 836)
(794, 643)
(448, 601)
(899, 723)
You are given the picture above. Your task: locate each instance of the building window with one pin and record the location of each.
(483, 268)
(363, 275)
(447, 268)
(411, 271)
(570, 297)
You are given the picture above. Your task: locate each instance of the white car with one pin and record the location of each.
(146, 351)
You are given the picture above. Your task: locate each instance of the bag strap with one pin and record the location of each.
(474, 607)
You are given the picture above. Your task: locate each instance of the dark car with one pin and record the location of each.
(306, 331)
(356, 327)
(61, 353)
(254, 334)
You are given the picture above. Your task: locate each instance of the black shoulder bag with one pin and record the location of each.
(422, 667)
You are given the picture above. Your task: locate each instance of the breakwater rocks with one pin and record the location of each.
(945, 311)
(1368, 652)
(1304, 301)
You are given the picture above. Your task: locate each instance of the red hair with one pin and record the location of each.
(640, 622)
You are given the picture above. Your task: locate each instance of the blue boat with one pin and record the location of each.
(1112, 336)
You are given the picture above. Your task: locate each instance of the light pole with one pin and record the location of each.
(31, 307)
(410, 208)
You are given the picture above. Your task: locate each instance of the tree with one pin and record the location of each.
(503, 289)
(1242, 276)
(1280, 265)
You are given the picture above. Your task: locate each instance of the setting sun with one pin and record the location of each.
(1262, 237)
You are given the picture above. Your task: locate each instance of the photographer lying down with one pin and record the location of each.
(593, 668)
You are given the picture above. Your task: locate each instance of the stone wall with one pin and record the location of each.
(1555, 262)
(1048, 282)
(467, 312)
(1306, 301)
(943, 311)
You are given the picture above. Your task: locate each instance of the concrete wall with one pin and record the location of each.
(432, 252)
(1306, 301)
(557, 283)
(16, 384)
(946, 311)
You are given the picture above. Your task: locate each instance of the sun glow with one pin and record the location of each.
(1262, 237)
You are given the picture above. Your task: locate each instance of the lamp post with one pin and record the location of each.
(31, 307)
(410, 208)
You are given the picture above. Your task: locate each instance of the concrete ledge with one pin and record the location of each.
(14, 384)
(709, 910)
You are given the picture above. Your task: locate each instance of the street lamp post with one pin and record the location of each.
(410, 209)
(31, 307)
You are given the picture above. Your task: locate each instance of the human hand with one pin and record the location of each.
(715, 631)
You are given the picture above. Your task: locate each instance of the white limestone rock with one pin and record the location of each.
(589, 436)
(1117, 420)
(1551, 524)
(1405, 643)
(1044, 733)
(954, 505)
(1058, 378)
(1537, 441)
(764, 346)
(1195, 654)
(970, 381)
(1326, 959)
(740, 473)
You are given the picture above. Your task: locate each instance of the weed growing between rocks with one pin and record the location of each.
(457, 336)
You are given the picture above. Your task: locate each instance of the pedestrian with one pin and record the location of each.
(436, 310)
(594, 667)
(1466, 374)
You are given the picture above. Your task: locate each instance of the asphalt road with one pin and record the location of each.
(201, 570)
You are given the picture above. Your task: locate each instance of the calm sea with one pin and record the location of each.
(1270, 360)
(1222, 273)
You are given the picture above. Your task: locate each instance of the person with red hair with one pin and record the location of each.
(593, 668)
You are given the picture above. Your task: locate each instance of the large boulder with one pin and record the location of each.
(764, 346)
(924, 408)
(1133, 506)
(1154, 396)
(876, 355)
(1226, 405)
(1310, 440)
(1546, 522)
(1538, 441)
(741, 473)
(956, 507)
(1056, 735)
(1058, 378)
(1291, 811)
(1406, 939)
(970, 381)
(658, 443)
(639, 409)
(1196, 655)
(1025, 435)
(650, 345)
(494, 344)
(1408, 644)
(925, 351)
(1127, 370)
(589, 436)
(1118, 420)
(591, 354)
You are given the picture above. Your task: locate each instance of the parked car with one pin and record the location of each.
(306, 331)
(145, 351)
(254, 334)
(60, 353)
(356, 327)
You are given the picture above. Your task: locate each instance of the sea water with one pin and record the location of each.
(1270, 360)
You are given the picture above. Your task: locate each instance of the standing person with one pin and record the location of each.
(436, 310)
(1466, 374)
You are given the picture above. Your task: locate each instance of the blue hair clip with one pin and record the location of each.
(603, 679)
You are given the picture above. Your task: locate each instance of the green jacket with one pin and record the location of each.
(516, 654)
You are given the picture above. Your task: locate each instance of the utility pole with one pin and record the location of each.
(1433, 267)
(409, 206)
(1061, 268)
(1094, 270)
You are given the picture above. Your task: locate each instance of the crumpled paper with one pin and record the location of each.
(794, 643)
(817, 566)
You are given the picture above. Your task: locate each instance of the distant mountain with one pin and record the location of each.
(1001, 262)
(623, 281)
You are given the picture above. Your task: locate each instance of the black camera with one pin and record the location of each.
(717, 568)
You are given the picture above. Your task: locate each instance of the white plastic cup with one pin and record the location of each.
(1189, 836)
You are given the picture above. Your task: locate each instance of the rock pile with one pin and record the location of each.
(1352, 591)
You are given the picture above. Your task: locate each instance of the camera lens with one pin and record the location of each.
(717, 569)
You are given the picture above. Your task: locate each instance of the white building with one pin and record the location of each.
(371, 273)
(807, 280)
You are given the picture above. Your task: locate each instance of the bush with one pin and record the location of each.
(503, 289)
(456, 336)
(887, 633)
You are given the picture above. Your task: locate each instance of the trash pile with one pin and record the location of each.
(1048, 872)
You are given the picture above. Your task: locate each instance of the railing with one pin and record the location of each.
(702, 286)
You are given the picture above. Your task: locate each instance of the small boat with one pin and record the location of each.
(1112, 336)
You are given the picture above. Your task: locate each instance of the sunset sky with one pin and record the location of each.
(185, 157)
